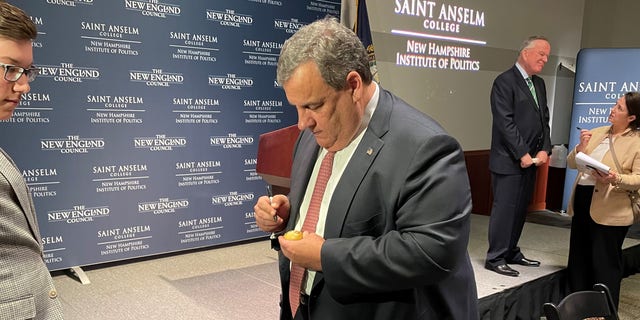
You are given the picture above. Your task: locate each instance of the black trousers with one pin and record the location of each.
(511, 197)
(595, 250)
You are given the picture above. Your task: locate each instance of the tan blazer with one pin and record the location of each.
(610, 205)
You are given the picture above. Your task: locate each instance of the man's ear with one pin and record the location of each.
(354, 82)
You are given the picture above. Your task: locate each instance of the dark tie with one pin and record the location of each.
(532, 89)
(310, 221)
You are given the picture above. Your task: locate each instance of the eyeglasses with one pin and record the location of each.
(13, 73)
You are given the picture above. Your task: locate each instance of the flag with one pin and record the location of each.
(362, 28)
(348, 13)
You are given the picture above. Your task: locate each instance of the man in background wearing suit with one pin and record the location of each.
(26, 287)
(520, 143)
(394, 219)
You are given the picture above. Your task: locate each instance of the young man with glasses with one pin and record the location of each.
(26, 287)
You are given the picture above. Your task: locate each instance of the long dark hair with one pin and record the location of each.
(632, 99)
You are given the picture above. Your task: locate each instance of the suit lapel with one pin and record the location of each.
(522, 85)
(358, 166)
(9, 170)
(351, 179)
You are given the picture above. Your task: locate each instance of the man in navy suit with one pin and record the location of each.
(519, 144)
(393, 227)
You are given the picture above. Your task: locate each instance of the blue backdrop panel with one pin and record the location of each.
(140, 135)
(602, 76)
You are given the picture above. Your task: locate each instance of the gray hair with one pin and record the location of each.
(334, 48)
(529, 42)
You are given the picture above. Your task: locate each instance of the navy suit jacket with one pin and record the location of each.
(397, 227)
(519, 126)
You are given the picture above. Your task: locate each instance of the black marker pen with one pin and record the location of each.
(270, 194)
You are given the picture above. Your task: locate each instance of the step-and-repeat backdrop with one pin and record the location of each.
(139, 136)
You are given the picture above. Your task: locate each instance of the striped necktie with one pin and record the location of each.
(532, 89)
(310, 221)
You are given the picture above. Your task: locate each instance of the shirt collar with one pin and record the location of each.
(521, 69)
(371, 106)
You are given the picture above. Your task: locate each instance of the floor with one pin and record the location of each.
(239, 282)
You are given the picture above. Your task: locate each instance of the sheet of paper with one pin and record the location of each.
(585, 162)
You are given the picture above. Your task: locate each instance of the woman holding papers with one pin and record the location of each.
(599, 202)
